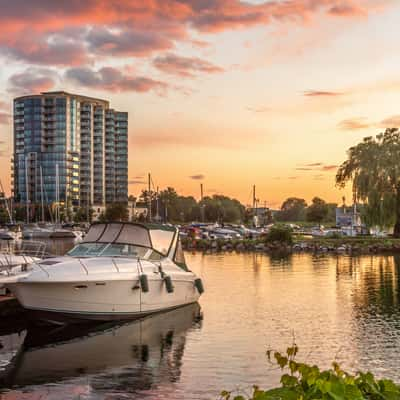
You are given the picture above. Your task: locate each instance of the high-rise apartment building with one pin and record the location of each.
(69, 149)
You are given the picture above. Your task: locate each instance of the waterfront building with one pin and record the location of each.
(69, 149)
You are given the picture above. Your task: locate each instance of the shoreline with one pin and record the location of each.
(356, 246)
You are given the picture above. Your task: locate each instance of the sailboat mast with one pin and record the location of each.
(57, 195)
(41, 192)
(6, 202)
(149, 195)
(26, 190)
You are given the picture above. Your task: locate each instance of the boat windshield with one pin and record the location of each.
(108, 250)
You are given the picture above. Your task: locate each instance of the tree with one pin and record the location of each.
(82, 214)
(292, 209)
(317, 211)
(373, 167)
(116, 212)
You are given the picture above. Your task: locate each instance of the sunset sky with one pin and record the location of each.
(224, 92)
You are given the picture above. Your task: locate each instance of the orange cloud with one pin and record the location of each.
(354, 124)
(320, 93)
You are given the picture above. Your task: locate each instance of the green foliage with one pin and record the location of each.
(373, 166)
(83, 214)
(317, 211)
(115, 212)
(280, 233)
(292, 209)
(301, 381)
(223, 209)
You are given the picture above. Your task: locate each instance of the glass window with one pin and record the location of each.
(180, 256)
(135, 234)
(161, 240)
(94, 233)
(111, 233)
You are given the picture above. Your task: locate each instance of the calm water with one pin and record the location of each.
(336, 308)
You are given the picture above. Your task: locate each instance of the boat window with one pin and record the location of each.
(111, 233)
(161, 240)
(124, 250)
(180, 256)
(107, 250)
(87, 249)
(94, 233)
(154, 256)
(135, 235)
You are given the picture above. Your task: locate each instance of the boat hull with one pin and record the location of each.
(100, 301)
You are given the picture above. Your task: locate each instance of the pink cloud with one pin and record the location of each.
(184, 66)
(112, 79)
(354, 124)
(32, 80)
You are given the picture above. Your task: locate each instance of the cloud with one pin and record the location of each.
(391, 122)
(32, 80)
(320, 93)
(329, 167)
(198, 177)
(41, 31)
(347, 10)
(111, 79)
(184, 66)
(53, 50)
(126, 42)
(354, 124)
(137, 182)
(258, 109)
(5, 118)
(317, 166)
(293, 177)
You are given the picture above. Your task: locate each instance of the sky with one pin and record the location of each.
(226, 93)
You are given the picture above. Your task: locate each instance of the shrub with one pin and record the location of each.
(306, 382)
(280, 233)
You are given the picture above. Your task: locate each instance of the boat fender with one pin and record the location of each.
(144, 283)
(198, 284)
(168, 284)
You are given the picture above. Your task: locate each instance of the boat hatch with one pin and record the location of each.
(157, 237)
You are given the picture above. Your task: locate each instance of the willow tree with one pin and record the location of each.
(373, 167)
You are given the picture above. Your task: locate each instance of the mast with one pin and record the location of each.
(202, 205)
(57, 195)
(149, 195)
(6, 202)
(157, 205)
(41, 192)
(26, 190)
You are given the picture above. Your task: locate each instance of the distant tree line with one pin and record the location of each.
(295, 209)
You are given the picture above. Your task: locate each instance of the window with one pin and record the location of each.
(180, 256)
(161, 240)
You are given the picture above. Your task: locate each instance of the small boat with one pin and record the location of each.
(36, 232)
(120, 271)
(8, 234)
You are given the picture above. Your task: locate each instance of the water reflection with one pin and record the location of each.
(129, 357)
(338, 307)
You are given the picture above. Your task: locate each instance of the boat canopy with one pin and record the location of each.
(154, 236)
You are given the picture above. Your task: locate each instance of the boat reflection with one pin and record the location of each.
(132, 355)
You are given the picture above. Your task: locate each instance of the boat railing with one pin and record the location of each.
(114, 263)
(25, 248)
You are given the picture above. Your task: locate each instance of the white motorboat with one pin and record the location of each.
(119, 271)
(36, 232)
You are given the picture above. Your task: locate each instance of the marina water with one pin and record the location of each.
(335, 308)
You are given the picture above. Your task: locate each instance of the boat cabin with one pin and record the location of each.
(127, 239)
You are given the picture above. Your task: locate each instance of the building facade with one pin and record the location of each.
(69, 149)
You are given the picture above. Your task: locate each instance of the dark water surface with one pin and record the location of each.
(339, 308)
